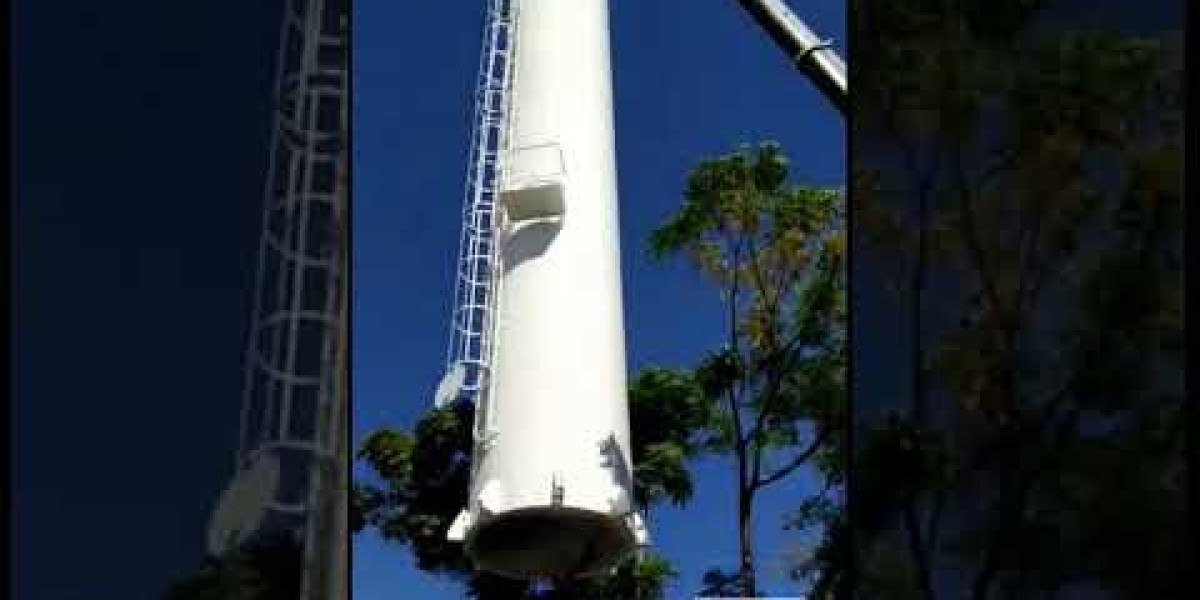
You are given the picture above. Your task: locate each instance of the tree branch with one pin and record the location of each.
(1029, 246)
(771, 308)
(1008, 160)
(970, 234)
(795, 463)
(918, 550)
(732, 396)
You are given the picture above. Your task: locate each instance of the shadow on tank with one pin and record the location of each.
(549, 542)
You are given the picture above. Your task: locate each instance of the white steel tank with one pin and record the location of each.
(551, 489)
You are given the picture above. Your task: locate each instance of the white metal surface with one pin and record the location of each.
(242, 507)
(451, 385)
(552, 481)
(812, 55)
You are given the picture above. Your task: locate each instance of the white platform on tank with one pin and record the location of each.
(534, 184)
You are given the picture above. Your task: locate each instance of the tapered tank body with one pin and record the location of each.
(552, 485)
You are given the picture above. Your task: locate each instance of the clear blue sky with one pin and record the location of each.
(139, 151)
(692, 79)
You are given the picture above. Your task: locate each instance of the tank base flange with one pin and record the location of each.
(549, 542)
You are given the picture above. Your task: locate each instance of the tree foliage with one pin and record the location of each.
(776, 390)
(668, 418)
(268, 568)
(1033, 178)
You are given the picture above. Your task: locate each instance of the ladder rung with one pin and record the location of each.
(470, 341)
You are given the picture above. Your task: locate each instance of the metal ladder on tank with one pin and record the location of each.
(469, 356)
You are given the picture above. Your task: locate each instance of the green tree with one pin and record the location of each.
(776, 390)
(268, 568)
(1033, 178)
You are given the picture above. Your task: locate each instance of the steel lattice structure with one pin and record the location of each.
(294, 404)
(477, 270)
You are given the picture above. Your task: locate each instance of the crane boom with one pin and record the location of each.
(814, 57)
